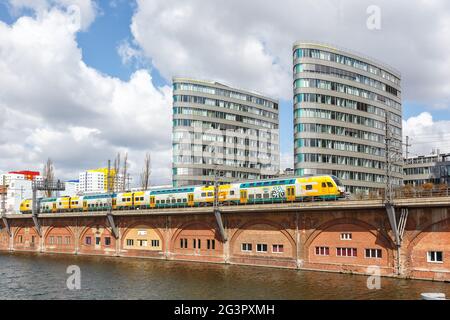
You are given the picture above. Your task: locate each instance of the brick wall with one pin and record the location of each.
(307, 240)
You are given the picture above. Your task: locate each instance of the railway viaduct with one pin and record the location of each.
(342, 236)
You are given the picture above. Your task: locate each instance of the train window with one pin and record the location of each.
(251, 196)
(162, 201)
(203, 194)
(258, 196)
(266, 196)
(330, 185)
(210, 194)
(178, 200)
(157, 201)
(185, 200)
(309, 187)
(123, 199)
(324, 185)
(128, 199)
(173, 200)
(232, 193)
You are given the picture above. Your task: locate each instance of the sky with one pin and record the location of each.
(81, 80)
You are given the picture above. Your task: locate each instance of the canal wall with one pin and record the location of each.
(343, 236)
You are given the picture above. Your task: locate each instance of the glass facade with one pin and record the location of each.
(218, 127)
(344, 106)
(433, 169)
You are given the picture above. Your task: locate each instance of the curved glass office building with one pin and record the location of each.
(216, 127)
(344, 107)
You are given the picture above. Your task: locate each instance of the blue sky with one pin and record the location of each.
(171, 40)
(100, 42)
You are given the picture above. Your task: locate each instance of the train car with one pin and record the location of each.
(125, 201)
(172, 197)
(228, 193)
(26, 206)
(99, 202)
(141, 200)
(63, 204)
(48, 205)
(76, 204)
(291, 190)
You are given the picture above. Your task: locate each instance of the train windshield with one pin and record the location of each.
(338, 182)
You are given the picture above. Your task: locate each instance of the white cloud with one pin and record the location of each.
(286, 160)
(249, 43)
(83, 12)
(54, 105)
(426, 134)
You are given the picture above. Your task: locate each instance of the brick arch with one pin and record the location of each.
(63, 246)
(434, 237)
(149, 226)
(327, 225)
(22, 246)
(385, 241)
(93, 248)
(17, 230)
(276, 226)
(205, 226)
(88, 227)
(47, 232)
(419, 235)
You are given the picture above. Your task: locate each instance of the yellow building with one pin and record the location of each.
(96, 180)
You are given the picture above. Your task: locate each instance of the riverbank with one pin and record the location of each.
(44, 276)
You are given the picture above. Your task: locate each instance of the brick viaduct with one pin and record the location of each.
(298, 235)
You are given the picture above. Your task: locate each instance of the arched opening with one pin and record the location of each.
(97, 239)
(348, 242)
(59, 239)
(263, 242)
(195, 239)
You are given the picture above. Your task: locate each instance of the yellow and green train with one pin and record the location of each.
(292, 189)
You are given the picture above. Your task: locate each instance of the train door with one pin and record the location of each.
(152, 202)
(325, 188)
(85, 206)
(54, 207)
(243, 196)
(190, 199)
(290, 196)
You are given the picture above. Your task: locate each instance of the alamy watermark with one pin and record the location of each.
(74, 13)
(373, 21)
(74, 280)
(374, 280)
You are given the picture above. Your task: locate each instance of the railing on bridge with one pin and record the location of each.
(400, 193)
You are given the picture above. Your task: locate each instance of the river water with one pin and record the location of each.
(38, 276)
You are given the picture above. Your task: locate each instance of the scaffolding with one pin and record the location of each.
(44, 185)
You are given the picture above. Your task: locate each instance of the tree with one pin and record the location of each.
(49, 175)
(146, 172)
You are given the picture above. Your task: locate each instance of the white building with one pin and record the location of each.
(72, 188)
(92, 182)
(95, 181)
(18, 189)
